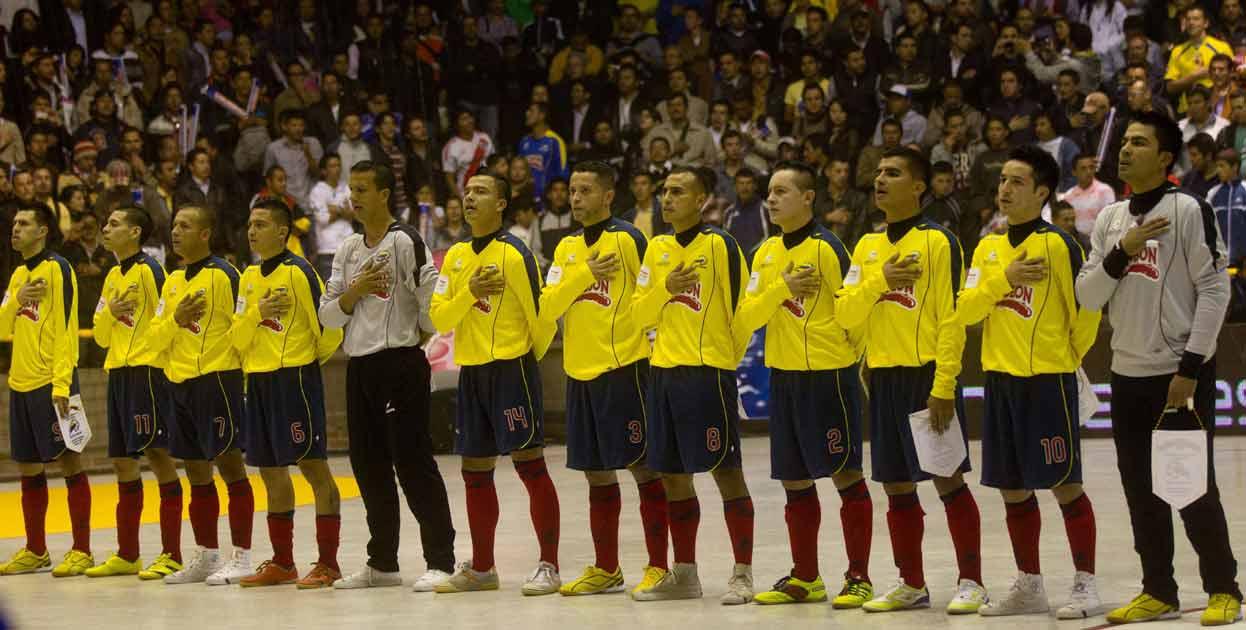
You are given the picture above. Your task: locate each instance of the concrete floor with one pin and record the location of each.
(39, 601)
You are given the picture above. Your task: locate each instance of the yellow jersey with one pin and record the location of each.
(202, 346)
(914, 325)
(498, 327)
(801, 333)
(1030, 329)
(128, 338)
(694, 327)
(44, 332)
(599, 330)
(293, 340)
(1189, 57)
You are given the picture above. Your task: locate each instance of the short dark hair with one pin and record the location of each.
(730, 134)
(706, 178)
(806, 179)
(208, 215)
(1221, 57)
(1044, 169)
(917, 164)
(382, 174)
(892, 122)
(1069, 72)
(139, 218)
(67, 193)
(195, 153)
(1201, 91)
(294, 113)
(606, 175)
(273, 169)
(1166, 131)
(324, 159)
(277, 208)
(503, 187)
(1201, 141)
(1091, 156)
(677, 96)
(942, 167)
(1061, 206)
(45, 217)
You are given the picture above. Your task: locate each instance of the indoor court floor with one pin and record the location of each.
(41, 602)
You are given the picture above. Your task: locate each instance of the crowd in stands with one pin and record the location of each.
(221, 103)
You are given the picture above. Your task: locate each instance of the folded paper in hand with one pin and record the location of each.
(939, 455)
(74, 427)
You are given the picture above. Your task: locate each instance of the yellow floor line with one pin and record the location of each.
(104, 502)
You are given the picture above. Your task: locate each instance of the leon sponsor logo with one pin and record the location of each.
(904, 297)
(1020, 301)
(1146, 262)
(795, 306)
(690, 298)
(598, 294)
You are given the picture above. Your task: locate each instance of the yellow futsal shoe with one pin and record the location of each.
(1143, 608)
(164, 566)
(792, 590)
(900, 597)
(651, 577)
(854, 594)
(25, 561)
(115, 565)
(594, 581)
(75, 563)
(1222, 610)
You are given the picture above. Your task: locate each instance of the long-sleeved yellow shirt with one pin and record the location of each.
(695, 327)
(128, 338)
(499, 327)
(909, 326)
(600, 332)
(801, 333)
(1030, 329)
(203, 346)
(45, 332)
(293, 340)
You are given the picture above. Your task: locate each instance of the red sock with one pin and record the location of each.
(171, 519)
(205, 509)
(1025, 523)
(129, 512)
(482, 516)
(905, 521)
(79, 491)
(803, 514)
(281, 534)
(653, 518)
(685, 519)
(856, 518)
(542, 506)
(1079, 524)
(739, 515)
(35, 512)
(241, 513)
(604, 506)
(328, 534)
(965, 524)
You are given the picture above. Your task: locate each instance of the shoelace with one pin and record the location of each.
(542, 571)
(855, 587)
(1079, 588)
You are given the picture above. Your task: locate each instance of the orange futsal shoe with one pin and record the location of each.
(320, 576)
(270, 574)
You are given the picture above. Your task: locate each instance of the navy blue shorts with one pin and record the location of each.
(285, 416)
(815, 423)
(1030, 433)
(896, 392)
(207, 416)
(140, 406)
(606, 421)
(500, 408)
(34, 433)
(694, 413)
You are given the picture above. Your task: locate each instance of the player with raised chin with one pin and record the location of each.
(689, 288)
(278, 333)
(1159, 260)
(489, 294)
(1034, 338)
(590, 285)
(40, 313)
(191, 324)
(902, 287)
(140, 402)
(815, 420)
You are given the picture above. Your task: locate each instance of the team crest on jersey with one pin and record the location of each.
(1020, 301)
(795, 306)
(699, 261)
(29, 311)
(598, 294)
(482, 305)
(690, 298)
(904, 297)
(1145, 263)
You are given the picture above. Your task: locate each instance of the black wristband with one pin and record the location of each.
(1191, 363)
(1115, 262)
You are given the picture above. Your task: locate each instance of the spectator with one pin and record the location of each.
(170, 118)
(1190, 62)
(733, 162)
(576, 126)
(963, 63)
(324, 117)
(765, 89)
(731, 80)
(605, 147)
(275, 187)
(423, 162)
(524, 223)
(737, 35)
(580, 47)
(465, 153)
(746, 217)
(1199, 119)
(197, 59)
(760, 135)
(1064, 216)
(296, 154)
(544, 150)
(351, 146)
(522, 186)
(810, 75)
(1089, 196)
(867, 163)
(1222, 83)
(857, 83)
(1228, 199)
(454, 230)
(953, 100)
(496, 25)
(543, 36)
(631, 35)
(690, 143)
(899, 108)
(1060, 148)
(556, 220)
(1046, 63)
(943, 207)
(646, 214)
(908, 70)
(199, 188)
(1069, 101)
(103, 79)
(388, 142)
(984, 175)
(813, 116)
(842, 208)
(91, 262)
(1201, 175)
(697, 109)
(956, 150)
(471, 68)
(1015, 107)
